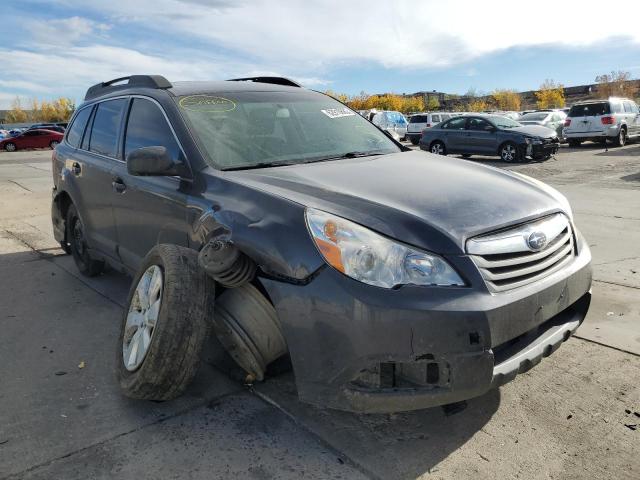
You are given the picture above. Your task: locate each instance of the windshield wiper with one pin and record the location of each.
(260, 165)
(347, 155)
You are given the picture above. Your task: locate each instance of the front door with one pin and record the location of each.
(148, 210)
(481, 137)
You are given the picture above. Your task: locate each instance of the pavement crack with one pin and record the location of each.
(617, 284)
(617, 260)
(605, 345)
(20, 185)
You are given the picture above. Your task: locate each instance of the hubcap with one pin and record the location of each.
(508, 153)
(142, 318)
(437, 149)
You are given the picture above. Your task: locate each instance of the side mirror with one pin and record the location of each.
(151, 161)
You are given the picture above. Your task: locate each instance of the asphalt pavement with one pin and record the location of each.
(576, 415)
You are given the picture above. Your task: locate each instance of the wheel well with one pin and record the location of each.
(64, 201)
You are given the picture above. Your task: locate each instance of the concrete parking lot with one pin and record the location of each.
(576, 415)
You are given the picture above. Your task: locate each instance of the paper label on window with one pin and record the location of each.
(338, 112)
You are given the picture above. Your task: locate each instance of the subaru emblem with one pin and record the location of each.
(537, 241)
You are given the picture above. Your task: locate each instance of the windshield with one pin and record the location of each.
(504, 122)
(535, 117)
(251, 129)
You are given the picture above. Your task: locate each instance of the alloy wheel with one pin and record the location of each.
(142, 318)
(508, 153)
(10, 147)
(437, 148)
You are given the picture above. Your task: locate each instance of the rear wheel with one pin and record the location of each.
(54, 144)
(165, 325)
(76, 236)
(414, 140)
(621, 139)
(10, 147)
(438, 148)
(510, 153)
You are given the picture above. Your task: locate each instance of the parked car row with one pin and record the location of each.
(32, 138)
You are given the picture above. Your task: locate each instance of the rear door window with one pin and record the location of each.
(436, 118)
(590, 109)
(148, 127)
(106, 125)
(74, 136)
(455, 124)
(628, 107)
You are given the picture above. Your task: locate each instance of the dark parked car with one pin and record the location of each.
(490, 135)
(38, 138)
(47, 126)
(392, 279)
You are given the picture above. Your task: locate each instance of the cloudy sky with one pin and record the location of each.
(52, 48)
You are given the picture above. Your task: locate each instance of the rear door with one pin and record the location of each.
(454, 134)
(91, 166)
(148, 210)
(29, 139)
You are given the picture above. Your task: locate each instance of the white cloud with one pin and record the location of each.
(399, 33)
(64, 31)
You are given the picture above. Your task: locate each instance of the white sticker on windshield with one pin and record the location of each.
(338, 112)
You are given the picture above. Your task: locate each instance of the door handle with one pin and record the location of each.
(118, 185)
(76, 169)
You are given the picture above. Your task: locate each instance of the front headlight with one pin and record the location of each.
(371, 258)
(532, 141)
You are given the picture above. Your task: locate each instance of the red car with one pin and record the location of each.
(37, 138)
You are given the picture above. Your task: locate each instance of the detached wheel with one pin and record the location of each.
(510, 153)
(76, 237)
(165, 324)
(438, 148)
(10, 147)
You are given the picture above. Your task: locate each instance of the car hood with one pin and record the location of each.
(533, 131)
(430, 201)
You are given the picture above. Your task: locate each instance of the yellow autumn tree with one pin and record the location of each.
(17, 114)
(550, 95)
(615, 84)
(507, 100)
(477, 105)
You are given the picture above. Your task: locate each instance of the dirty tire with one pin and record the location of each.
(186, 309)
(77, 246)
(621, 139)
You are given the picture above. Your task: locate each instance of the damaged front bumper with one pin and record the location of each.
(365, 349)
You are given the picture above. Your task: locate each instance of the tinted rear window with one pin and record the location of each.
(77, 127)
(106, 125)
(590, 109)
(419, 119)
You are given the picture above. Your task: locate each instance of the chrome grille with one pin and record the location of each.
(508, 259)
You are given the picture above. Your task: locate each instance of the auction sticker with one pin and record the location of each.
(338, 112)
(206, 103)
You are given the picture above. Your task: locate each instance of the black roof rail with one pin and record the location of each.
(148, 81)
(273, 80)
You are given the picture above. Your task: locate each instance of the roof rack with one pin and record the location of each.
(273, 80)
(148, 81)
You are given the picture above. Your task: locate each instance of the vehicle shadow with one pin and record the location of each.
(403, 445)
(633, 149)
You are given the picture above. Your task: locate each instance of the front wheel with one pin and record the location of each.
(10, 147)
(76, 236)
(165, 324)
(510, 153)
(438, 148)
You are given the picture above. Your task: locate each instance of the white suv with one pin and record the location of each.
(420, 121)
(615, 119)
